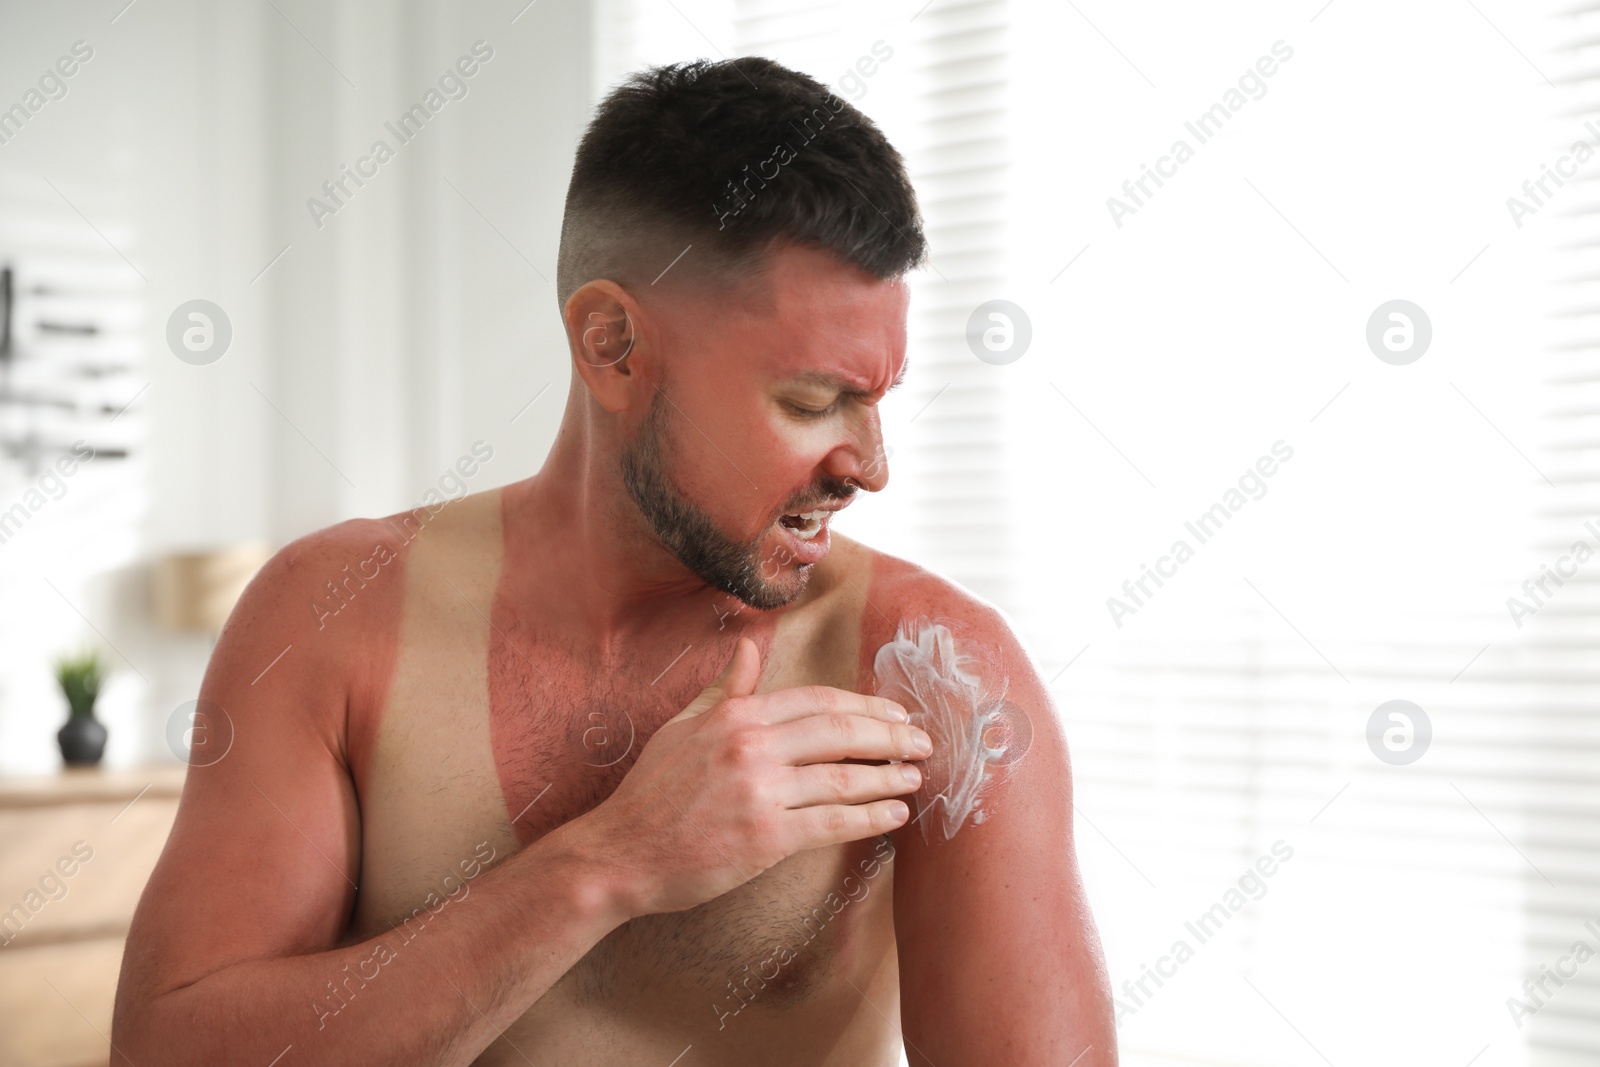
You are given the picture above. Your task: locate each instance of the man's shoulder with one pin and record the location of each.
(347, 558)
(897, 598)
(310, 554)
(301, 568)
(897, 589)
(327, 588)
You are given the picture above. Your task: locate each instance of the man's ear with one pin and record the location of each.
(602, 322)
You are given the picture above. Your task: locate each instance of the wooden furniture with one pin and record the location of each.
(76, 849)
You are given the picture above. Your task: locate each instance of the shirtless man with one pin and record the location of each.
(580, 770)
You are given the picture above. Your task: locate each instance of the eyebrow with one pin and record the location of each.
(842, 385)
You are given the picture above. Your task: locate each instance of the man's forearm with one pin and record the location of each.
(441, 998)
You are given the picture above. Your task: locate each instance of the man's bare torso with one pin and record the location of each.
(475, 726)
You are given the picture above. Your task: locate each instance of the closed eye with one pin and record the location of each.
(810, 413)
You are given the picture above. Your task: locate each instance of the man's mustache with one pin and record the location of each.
(832, 492)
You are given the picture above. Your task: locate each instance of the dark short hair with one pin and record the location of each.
(732, 157)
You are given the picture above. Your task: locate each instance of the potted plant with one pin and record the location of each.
(83, 738)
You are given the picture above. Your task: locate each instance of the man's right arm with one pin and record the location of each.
(241, 928)
(440, 999)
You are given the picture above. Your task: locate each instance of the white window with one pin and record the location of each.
(1199, 372)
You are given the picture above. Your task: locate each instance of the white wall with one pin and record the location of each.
(388, 339)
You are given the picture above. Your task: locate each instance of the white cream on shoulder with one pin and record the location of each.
(947, 691)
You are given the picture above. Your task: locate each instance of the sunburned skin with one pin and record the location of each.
(502, 681)
(948, 693)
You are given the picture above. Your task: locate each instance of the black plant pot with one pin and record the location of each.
(83, 741)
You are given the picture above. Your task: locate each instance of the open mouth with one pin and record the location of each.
(806, 524)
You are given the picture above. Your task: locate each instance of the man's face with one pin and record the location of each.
(766, 422)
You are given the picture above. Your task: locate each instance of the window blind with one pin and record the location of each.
(1268, 888)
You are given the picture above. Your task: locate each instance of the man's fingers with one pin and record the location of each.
(786, 705)
(738, 679)
(834, 824)
(850, 783)
(841, 736)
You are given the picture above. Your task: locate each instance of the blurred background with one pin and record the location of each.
(1340, 344)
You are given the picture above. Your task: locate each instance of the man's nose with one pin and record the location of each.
(862, 459)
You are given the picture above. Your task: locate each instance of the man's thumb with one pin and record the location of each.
(738, 679)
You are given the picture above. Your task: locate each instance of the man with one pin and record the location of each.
(579, 770)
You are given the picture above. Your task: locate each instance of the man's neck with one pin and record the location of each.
(597, 570)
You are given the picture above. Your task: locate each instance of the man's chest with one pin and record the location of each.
(493, 733)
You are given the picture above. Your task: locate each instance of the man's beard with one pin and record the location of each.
(689, 533)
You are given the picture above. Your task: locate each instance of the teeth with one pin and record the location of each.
(812, 527)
